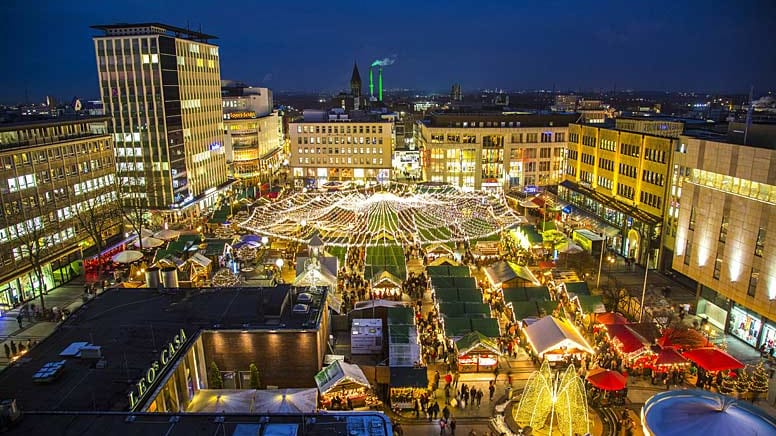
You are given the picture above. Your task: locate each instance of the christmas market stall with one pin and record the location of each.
(343, 386)
(553, 338)
(713, 359)
(407, 385)
(477, 353)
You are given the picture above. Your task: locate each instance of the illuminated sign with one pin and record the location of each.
(240, 115)
(165, 358)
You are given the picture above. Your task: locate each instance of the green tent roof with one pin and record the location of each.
(457, 326)
(401, 315)
(591, 303)
(458, 271)
(538, 293)
(470, 295)
(399, 333)
(454, 308)
(487, 326)
(524, 309)
(514, 294)
(446, 294)
(476, 308)
(472, 341)
(579, 288)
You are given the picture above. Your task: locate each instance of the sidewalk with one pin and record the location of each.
(68, 296)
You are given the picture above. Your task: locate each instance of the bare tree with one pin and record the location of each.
(96, 216)
(33, 242)
(132, 209)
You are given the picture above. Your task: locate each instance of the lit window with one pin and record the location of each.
(154, 58)
(200, 62)
(146, 59)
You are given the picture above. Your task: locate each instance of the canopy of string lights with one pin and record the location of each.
(386, 214)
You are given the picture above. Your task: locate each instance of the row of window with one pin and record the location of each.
(628, 170)
(338, 160)
(338, 129)
(339, 140)
(606, 164)
(343, 150)
(604, 182)
(653, 178)
(625, 191)
(651, 199)
(654, 155)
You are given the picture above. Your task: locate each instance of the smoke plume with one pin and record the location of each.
(384, 62)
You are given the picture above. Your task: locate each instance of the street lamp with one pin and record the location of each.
(600, 264)
(264, 240)
(279, 263)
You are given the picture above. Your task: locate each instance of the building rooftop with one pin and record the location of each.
(131, 326)
(54, 121)
(152, 28)
(526, 119)
(162, 424)
(760, 135)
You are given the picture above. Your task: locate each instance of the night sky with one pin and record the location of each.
(716, 46)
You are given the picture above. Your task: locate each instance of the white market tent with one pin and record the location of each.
(222, 401)
(240, 401)
(286, 401)
(553, 335)
(340, 374)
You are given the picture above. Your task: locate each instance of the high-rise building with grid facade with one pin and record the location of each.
(162, 87)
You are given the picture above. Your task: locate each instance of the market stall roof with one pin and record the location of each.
(456, 326)
(550, 333)
(609, 318)
(452, 308)
(713, 359)
(446, 294)
(630, 340)
(591, 303)
(439, 249)
(200, 260)
(385, 279)
(167, 234)
(699, 412)
(321, 277)
(505, 271)
(476, 308)
(459, 271)
(286, 401)
(669, 356)
(444, 261)
(401, 315)
(647, 330)
(548, 307)
(474, 340)
(409, 377)
(469, 295)
(340, 373)
(606, 379)
(537, 293)
(487, 326)
(578, 288)
(524, 309)
(127, 256)
(437, 271)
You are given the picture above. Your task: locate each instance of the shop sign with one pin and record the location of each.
(152, 374)
(240, 115)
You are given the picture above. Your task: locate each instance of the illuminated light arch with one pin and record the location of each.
(560, 398)
(387, 214)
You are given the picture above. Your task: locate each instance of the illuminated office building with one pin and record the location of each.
(493, 150)
(620, 174)
(48, 170)
(332, 146)
(723, 218)
(162, 87)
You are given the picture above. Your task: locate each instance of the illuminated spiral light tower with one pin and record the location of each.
(556, 402)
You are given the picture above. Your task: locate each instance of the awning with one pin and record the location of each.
(713, 359)
(684, 338)
(630, 341)
(200, 260)
(503, 271)
(409, 377)
(626, 209)
(551, 334)
(669, 356)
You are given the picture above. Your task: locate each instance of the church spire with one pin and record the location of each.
(355, 82)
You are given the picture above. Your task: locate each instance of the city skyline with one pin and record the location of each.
(664, 46)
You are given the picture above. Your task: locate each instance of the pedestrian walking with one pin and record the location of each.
(442, 424)
(7, 351)
(491, 390)
(19, 319)
(452, 427)
(13, 348)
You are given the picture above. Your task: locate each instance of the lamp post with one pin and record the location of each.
(600, 264)
(644, 287)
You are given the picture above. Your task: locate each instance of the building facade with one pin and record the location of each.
(253, 134)
(50, 170)
(621, 177)
(724, 218)
(332, 146)
(493, 150)
(161, 85)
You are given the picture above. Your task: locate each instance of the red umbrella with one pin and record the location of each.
(606, 379)
(611, 318)
(669, 356)
(713, 359)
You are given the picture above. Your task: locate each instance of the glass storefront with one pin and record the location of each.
(745, 325)
(715, 314)
(769, 338)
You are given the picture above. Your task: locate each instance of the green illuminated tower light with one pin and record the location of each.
(380, 83)
(371, 83)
